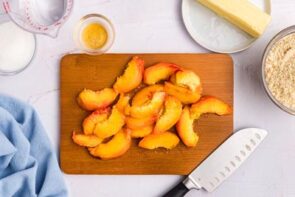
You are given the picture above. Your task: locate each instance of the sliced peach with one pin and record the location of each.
(189, 79)
(123, 103)
(116, 147)
(141, 132)
(158, 72)
(210, 104)
(86, 140)
(137, 123)
(166, 140)
(127, 110)
(185, 129)
(145, 94)
(110, 126)
(149, 109)
(170, 115)
(183, 94)
(131, 77)
(94, 118)
(92, 100)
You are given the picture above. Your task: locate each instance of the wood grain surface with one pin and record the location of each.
(79, 71)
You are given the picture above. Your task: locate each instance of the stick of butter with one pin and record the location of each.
(241, 13)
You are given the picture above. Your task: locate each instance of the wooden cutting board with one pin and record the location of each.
(79, 71)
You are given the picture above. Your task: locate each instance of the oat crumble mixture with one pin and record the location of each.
(280, 71)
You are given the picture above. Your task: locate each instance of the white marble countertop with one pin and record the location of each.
(156, 26)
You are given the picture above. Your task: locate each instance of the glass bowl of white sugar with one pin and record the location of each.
(17, 48)
(278, 70)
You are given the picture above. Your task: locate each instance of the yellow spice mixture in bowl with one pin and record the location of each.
(94, 34)
(279, 70)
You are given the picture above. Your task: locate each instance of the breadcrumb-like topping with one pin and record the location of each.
(280, 71)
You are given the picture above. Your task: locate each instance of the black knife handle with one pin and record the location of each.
(178, 191)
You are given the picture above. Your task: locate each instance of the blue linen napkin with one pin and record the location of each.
(28, 166)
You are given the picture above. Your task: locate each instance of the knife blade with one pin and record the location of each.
(219, 165)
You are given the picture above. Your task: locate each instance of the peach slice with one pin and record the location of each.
(185, 95)
(131, 77)
(94, 118)
(127, 110)
(123, 103)
(158, 72)
(137, 123)
(86, 140)
(170, 115)
(92, 100)
(149, 109)
(145, 94)
(110, 126)
(141, 132)
(166, 140)
(210, 104)
(189, 79)
(114, 148)
(185, 129)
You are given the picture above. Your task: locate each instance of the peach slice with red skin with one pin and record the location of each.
(188, 79)
(210, 104)
(116, 147)
(86, 140)
(141, 132)
(137, 123)
(185, 95)
(91, 100)
(170, 115)
(127, 110)
(151, 108)
(158, 72)
(146, 93)
(94, 118)
(166, 140)
(131, 77)
(111, 125)
(207, 104)
(185, 128)
(123, 103)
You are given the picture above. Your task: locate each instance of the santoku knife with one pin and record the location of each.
(221, 163)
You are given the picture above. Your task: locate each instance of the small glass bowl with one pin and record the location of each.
(14, 72)
(279, 36)
(94, 18)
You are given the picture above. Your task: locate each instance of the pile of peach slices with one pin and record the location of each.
(170, 96)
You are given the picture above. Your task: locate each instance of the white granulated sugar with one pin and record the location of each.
(280, 71)
(17, 47)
